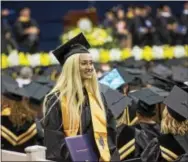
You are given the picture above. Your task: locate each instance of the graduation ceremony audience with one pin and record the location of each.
(130, 110)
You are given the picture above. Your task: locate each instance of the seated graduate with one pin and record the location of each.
(146, 111)
(19, 129)
(130, 142)
(75, 106)
(174, 126)
(118, 79)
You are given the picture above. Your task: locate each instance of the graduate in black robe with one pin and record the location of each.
(19, 126)
(173, 144)
(146, 110)
(55, 120)
(131, 142)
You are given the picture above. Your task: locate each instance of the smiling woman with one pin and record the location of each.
(86, 66)
(75, 106)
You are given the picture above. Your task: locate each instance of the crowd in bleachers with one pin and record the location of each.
(136, 25)
(23, 34)
(141, 26)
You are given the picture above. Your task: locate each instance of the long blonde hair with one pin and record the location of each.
(172, 126)
(70, 86)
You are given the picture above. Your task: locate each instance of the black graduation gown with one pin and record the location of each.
(166, 148)
(151, 130)
(17, 139)
(131, 142)
(56, 148)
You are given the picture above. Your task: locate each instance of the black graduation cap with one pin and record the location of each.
(162, 82)
(78, 44)
(159, 91)
(146, 100)
(37, 92)
(116, 78)
(13, 92)
(180, 74)
(116, 101)
(177, 104)
(44, 81)
(162, 70)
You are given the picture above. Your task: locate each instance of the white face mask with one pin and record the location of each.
(185, 12)
(165, 14)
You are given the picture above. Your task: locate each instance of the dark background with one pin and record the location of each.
(49, 15)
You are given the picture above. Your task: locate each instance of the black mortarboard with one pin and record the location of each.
(44, 81)
(162, 70)
(117, 78)
(37, 92)
(146, 100)
(180, 74)
(116, 101)
(13, 92)
(103, 88)
(162, 82)
(6, 79)
(78, 44)
(159, 91)
(177, 104)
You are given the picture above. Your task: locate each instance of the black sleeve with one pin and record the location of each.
(53, 131)
(152, 152)
(19, 30)
(112, 133)
(182, 158)
(141, 141)
(34, 23)
(40, 133)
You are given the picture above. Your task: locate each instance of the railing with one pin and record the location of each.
(33, 153)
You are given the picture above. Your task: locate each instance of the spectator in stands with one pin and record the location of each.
(7, 41)
(19, 129)
(109, 20)
(27, 30)
(166, 25)
(145, 28)
(26, 74)
(120, 13)
(184, 22)
(123, 35)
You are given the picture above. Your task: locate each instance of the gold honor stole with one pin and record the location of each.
(99, 126)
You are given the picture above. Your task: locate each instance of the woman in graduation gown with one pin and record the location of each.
(145, 115)
(75, 106)
(19, 129)
(173, 144)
